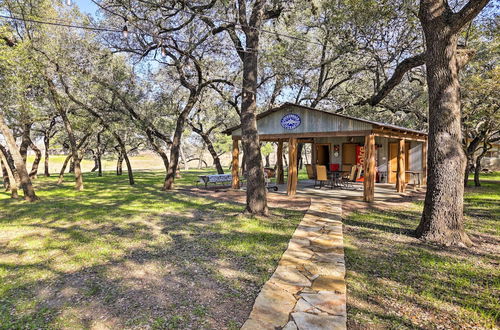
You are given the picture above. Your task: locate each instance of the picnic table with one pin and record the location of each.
(215, 178)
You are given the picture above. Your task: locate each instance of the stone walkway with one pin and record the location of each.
(307, 290)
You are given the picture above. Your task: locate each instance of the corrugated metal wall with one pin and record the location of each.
(311, 121)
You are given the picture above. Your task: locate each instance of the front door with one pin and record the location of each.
(322, 154)
(348, 156)
(393, 161)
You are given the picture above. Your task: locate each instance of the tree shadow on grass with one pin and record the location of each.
(134, 257)
(165, 282)
(423, 284)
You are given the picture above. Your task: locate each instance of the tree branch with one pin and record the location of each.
(396, 78)
(467, 14)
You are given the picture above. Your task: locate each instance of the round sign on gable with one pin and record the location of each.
(290, 121)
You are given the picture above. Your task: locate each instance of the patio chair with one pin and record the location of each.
(334, 167)
(321, 175)
(347, 180)
(270, 173)
(359, 169)
(310, 172)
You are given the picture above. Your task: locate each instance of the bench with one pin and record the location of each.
(215, 178)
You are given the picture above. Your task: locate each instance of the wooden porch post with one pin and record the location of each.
(280, 175)
(369, 180)
(424, 162)
(400, 175)
(292, 167)
(235, 166)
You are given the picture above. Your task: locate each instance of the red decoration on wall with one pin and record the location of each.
(360, 155)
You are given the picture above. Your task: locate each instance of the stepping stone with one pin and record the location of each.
(306, 321)
(307, 290)
(329, 283)
(326, 268)
(273, 305)
(290, 326)
(329, 257)
(290, 276)
(327, 242)
(329, 302)
(290, 260)
(303, 253)
(303, 306)
(300, 241)
(252, 324)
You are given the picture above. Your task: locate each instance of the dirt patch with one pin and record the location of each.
(351, 205)
(238, 196)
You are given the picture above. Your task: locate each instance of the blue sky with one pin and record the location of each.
(86, 6)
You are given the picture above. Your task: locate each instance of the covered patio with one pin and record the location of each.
(388, 155)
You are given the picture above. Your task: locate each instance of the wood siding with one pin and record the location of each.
(311, 122)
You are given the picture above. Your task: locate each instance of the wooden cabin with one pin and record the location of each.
(387, 153)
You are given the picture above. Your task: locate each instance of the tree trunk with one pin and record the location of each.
(72, 166)
(119, 164)
(29, 191)
(63, 169)
(5, 174)
(47, 134)
(69, 130)
(470, 150)
(299, 155)
(477, 169)
(69, 157)
(268, 162)
(213, 153)
(96, 164)
(46, 143)
(442, 218)
(10, 162)
(125, 156)
(99, 154)
(183, 157)
(176, 142)
(78, 173)
(243, 166)
(25, 141)
(36, 162)
(256, 202)
(468, 169)
(8, 177)
(99, 164)
(158, 149)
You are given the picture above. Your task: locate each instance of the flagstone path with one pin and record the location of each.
(307, 290)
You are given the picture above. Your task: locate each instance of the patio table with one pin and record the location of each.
(336, 178)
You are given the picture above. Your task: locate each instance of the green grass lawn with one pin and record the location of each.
(118, 256)
(493, 176)
(395, 281)
(139, 162)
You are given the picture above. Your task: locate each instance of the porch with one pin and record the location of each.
(371, 152)
(383, 192)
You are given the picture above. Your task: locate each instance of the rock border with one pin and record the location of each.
(307, 290)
